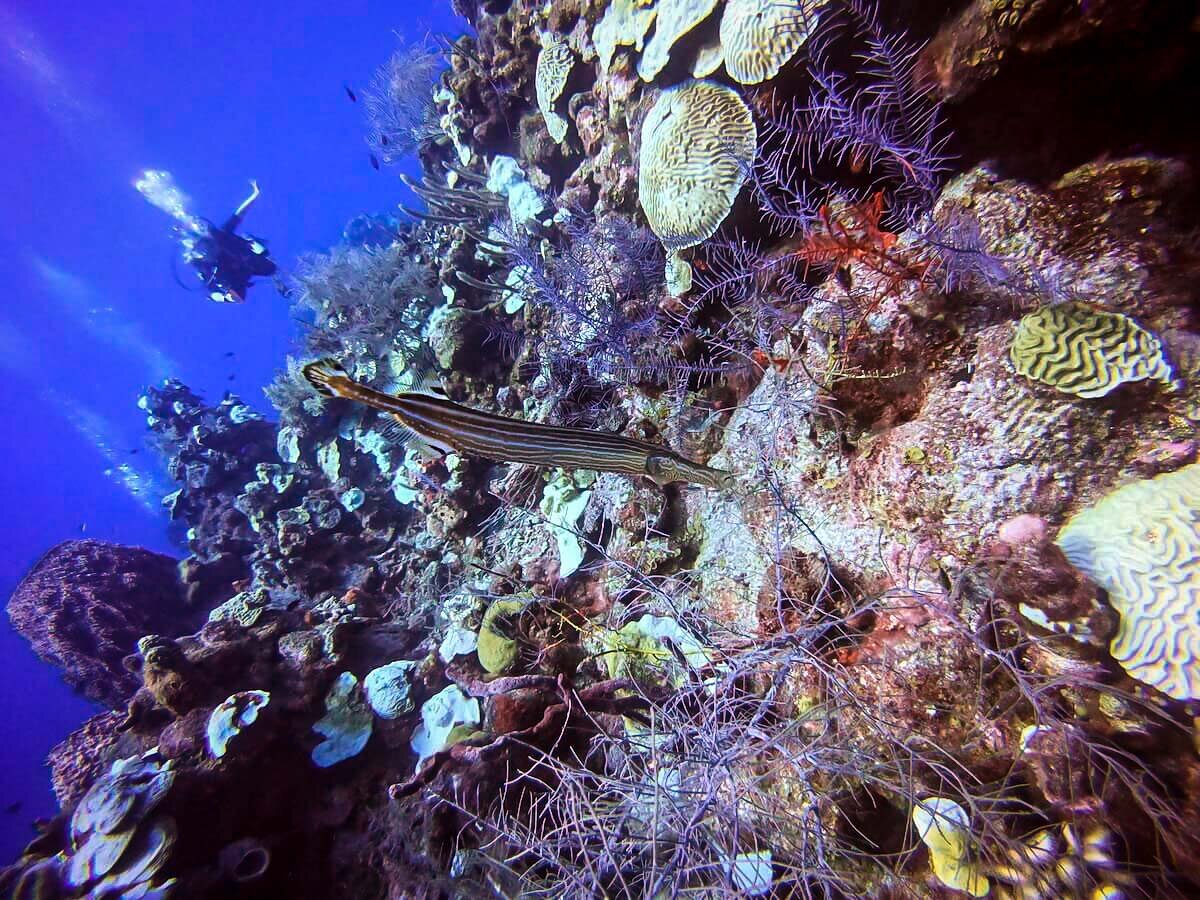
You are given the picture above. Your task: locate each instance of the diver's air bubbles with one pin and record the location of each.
(157, 186)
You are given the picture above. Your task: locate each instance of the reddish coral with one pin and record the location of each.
(84, 605)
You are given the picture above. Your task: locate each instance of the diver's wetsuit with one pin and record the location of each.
(226, 261)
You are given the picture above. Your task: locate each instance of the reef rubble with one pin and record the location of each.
(922, 647)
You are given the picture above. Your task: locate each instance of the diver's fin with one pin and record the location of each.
(320, 374)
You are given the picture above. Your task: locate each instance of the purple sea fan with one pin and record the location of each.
(598, 286)
(873, 117)
(399, 102)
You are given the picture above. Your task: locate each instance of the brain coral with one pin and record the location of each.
(759, 37)
(698, 141)
(553, 69)
(675, 19)
(1085, 351)
(1141, 543)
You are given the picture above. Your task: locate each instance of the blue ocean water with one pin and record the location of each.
(216, 93)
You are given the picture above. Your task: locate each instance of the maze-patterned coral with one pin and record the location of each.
(1085, 351)
(1141, 543)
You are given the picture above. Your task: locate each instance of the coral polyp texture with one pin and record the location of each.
(698, 141)
(1141, 543)
(759, 37)
(934, 634)
(1085, 351)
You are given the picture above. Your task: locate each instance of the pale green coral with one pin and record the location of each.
(759, 38)
(329, 460)
(245, 608)
(441, 715)
(675, 19)
(642, 650)
(115, 846)
(389, 688)
(563, 502)
(233, 716)
(1085, 351)
(287, 443)
(624, 24)
(698, 142)
(525, 204)
(346, 725)
(1141, 543)
(554, 66)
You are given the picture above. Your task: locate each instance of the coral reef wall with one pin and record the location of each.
(856, 348)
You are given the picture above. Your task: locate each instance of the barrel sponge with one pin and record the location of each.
(675, 19)
(554, 65)
(758, 37)
(698, 143)
(1141, 543)
(624, 24)
(1084, 351)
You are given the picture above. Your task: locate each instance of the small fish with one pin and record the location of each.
(134, 450)
(844, 278)
(231, 377)
(445, 426)
(383, 140)
(228, 353)
(13, 808)
(350, 93)
(374, 162)
(83, 528)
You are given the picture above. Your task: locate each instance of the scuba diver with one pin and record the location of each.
(225, 261)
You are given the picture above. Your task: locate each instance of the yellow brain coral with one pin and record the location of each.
(698, 143)
(1141, 543)
(554, 65)
(759, 36)
(1085, 351)
(675, 19)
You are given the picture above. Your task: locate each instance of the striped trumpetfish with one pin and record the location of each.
(448, 426)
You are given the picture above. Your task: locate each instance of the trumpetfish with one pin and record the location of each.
(447, 427)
